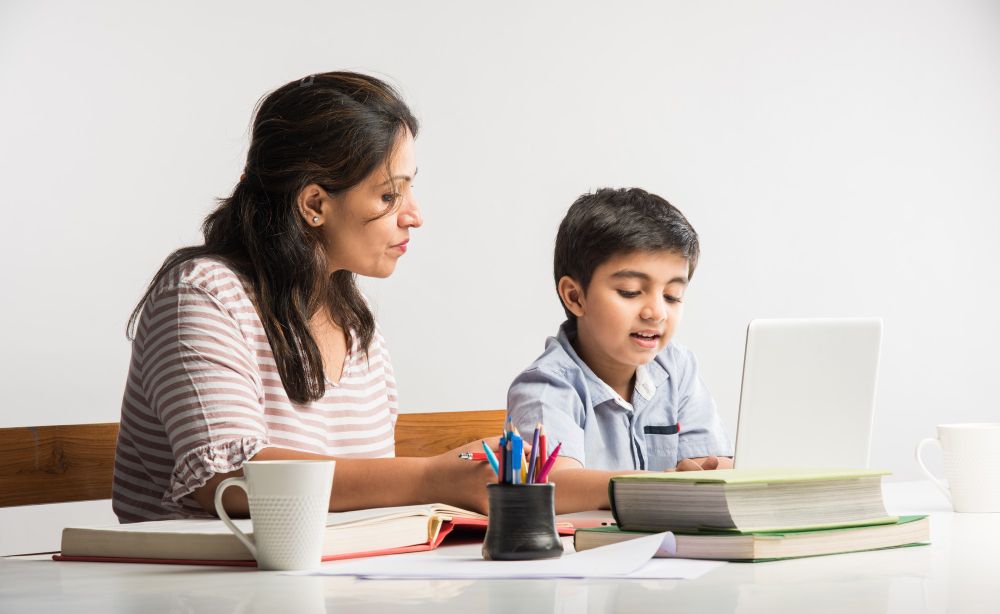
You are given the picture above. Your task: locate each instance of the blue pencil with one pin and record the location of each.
(517, 455)
(490, 457)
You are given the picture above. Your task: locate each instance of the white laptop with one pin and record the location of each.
(808, 393)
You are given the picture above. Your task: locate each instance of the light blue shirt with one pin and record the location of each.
(670, 417)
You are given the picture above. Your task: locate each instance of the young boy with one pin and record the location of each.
(612, 386)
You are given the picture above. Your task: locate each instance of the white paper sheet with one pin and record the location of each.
(628, 559)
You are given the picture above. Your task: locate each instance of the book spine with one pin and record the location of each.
(611, 500)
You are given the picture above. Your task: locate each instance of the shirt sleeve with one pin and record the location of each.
(702, 432)
(201, 379)
(545, 396)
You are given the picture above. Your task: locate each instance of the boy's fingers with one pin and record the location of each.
(688, 465)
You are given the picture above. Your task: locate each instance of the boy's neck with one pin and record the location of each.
(620, 377)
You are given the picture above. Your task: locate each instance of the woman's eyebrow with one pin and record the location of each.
(395, 178)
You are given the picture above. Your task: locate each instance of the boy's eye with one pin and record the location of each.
(628, 293)
(671, 299)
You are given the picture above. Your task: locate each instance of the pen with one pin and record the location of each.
(517, 458)
(544, 477)
(474, 456)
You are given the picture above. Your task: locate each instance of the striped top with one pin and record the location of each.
(204, 395)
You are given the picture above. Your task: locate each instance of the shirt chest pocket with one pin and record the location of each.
(661, 446)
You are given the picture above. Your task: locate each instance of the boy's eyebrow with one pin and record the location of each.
(630, 274)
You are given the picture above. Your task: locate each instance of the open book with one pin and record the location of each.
(387, 530)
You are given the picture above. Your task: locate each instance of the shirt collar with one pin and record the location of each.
(648, 377)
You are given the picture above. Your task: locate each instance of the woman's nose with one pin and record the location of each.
(411, 217)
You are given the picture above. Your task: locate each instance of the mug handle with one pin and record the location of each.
(221, 511)
(939, 483)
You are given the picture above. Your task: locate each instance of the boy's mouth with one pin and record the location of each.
(646, 338)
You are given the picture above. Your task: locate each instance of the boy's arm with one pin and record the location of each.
(579, 489)
(587, 489)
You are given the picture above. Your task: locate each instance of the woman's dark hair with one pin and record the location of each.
(609, 222)
(331, 129)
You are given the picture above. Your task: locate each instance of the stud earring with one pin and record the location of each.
(315, 219)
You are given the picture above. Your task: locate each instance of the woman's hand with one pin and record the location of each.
(458, 482)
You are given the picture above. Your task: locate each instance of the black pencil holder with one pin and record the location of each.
(522, 523)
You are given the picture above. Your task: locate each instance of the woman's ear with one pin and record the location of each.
(311, 202)
(572, 295)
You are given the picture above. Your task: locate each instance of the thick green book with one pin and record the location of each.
(772, 545)
(748, 501)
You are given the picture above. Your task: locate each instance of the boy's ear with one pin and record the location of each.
(572, 295)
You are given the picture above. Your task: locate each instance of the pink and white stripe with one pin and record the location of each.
(203, 396)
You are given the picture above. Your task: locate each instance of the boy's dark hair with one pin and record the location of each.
(608, 222)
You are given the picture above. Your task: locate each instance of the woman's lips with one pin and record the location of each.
(402, 246)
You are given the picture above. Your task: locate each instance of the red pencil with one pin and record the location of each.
(544, 477)
(474, 456)
(542, 451)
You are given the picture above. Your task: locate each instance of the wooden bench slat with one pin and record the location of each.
(56, 464)
(432, 434)
(75, 462)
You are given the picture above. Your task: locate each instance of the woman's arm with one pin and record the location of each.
(378, 482)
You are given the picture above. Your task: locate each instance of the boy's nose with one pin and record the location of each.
(655, 311)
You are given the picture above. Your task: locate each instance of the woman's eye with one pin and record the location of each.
(390, 197)
(628, 293)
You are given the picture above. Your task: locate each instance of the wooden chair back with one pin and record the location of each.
(59, 464)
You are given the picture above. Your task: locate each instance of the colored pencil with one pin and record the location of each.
(542, 451)
(544, 477)
(533, 461)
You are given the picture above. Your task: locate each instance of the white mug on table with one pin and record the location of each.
(288, 501)
(971, 465)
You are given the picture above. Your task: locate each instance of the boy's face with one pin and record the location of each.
(631, 309)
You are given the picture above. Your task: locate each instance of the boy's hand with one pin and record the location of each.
(705, 463)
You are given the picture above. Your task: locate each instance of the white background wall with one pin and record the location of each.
(837, 158)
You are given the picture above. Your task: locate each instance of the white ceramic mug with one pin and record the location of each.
(971, 465)
(289, 500)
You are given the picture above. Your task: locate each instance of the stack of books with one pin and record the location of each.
(756, 515)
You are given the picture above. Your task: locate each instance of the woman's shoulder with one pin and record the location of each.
(211, 275)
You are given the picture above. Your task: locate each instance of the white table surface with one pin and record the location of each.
(959, 572)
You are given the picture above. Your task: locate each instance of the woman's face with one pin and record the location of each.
(358, 234)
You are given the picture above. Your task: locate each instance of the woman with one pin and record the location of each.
(258, 344)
